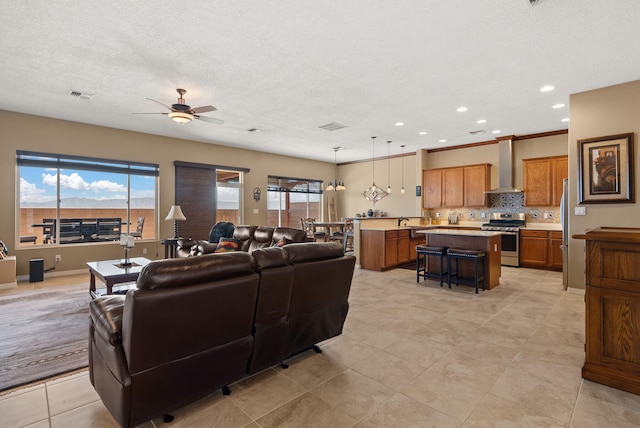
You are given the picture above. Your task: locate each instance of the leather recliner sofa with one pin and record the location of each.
(198, 324)
(250, 238)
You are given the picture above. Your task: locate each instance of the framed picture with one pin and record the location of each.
(606, 170)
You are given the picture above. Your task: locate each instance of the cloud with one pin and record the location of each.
(107, 185)
(29, 192)
(74, 181)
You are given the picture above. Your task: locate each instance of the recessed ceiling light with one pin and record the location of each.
(547, 88)
(422, 132)
(496, 131)
(399, 123)
(461, 109)
(566, 119)
(481, 121)
(442, 141)
(560, 105)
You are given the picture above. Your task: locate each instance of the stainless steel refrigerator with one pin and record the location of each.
(564, 222)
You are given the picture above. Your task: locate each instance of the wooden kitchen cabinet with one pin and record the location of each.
(541, 249)
(555, 250)
(432, 188)
(612, 297)
(456, 187)
(477, 180)
(384, 249)
(543, 180)
(453, 187)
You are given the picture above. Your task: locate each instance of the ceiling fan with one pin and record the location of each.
(183, 113)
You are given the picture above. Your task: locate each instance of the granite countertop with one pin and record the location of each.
(438, 231)
(543, 226)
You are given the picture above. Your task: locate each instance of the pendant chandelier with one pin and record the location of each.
(373, 193)
(335, 184)
(389, 166)
(402, 157)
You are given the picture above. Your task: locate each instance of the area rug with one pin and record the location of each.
(43, 333)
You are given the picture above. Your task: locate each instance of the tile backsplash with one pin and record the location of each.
(502, 203)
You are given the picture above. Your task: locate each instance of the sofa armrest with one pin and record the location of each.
(106, 314)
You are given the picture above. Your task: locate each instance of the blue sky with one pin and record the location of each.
(38, 185)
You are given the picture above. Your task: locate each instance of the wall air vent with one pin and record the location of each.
(78, 94)
(333, 126)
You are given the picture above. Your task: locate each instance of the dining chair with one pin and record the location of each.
(138, 233)
(308, 225)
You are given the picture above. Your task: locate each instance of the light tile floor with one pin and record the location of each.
(411, 356)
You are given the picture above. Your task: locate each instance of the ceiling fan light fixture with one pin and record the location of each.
(181, 117)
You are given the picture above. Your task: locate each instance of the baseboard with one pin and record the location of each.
(55, 274)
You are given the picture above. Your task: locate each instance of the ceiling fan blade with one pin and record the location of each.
(203, 109)
(209, 119)
(151, 113)
(163, 105)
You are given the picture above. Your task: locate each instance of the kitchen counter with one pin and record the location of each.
(488, 241)
(543, 226)
(458, 232)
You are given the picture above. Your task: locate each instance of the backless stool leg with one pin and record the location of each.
(476, 256)
(422, 269)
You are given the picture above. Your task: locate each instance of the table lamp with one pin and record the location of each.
(175, 214)
(127, 242)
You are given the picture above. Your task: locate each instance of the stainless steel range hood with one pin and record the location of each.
(505, 168)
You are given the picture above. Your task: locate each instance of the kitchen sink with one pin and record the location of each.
(414, 229)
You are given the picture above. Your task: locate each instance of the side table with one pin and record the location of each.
(170, 247)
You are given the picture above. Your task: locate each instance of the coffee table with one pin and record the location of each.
(112, 272)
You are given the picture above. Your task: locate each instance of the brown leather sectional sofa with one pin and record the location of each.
(198, 324)
(250, 237)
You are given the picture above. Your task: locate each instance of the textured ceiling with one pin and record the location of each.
(290, 66)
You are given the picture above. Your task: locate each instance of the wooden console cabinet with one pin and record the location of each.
(613, 307)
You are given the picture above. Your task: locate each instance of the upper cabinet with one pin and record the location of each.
(543, 180)
(456, 187)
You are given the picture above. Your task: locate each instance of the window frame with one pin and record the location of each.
(62, 162)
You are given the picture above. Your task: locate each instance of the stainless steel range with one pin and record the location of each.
(509, 225)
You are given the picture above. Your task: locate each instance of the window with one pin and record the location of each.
(228, 196)
(290, 199)
(71, 199)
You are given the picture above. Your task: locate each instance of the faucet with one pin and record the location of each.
(401, 219)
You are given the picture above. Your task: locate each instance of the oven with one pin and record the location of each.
(509, 225)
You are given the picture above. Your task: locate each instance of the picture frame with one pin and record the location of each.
(606, 170)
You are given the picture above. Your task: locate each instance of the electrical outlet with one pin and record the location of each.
(144, 251)
(58, 257)
(437, 214)
(483, 215)
(545, 215)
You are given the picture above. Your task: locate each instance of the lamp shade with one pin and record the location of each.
(181, 117)
(175, 213)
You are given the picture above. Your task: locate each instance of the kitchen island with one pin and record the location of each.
(487, 241)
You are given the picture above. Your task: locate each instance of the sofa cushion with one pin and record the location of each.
(226, 245)
(297, 253)
(282, 242)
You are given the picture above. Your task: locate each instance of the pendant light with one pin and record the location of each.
(389, 166)
(402, 157)
(373, 193)
(335, 184)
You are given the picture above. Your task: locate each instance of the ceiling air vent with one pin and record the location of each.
(78, 94)
(333, 126)
(479, 131)
(254, 130)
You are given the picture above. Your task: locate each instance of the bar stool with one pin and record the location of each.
(458, 254)
(422, 254)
